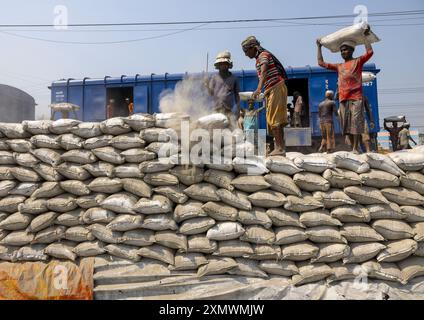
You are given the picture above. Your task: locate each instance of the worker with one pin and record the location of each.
(272, 78)
(405, 137)
(365, 137)
(250, 123)
(130, 106)
(298, 109)
(394, 131)
(110, 109)
(350, 88)
(326, 109)
(225, 88)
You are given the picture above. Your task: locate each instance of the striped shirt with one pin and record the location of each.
(272, 76)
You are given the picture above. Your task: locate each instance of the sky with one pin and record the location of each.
(32, 58)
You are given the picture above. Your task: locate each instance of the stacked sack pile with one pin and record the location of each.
(71, 189)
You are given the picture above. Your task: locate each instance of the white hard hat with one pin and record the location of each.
(224, 56)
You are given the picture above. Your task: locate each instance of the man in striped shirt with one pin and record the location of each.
(272, 78)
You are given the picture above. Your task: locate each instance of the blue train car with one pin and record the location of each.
(92, 95)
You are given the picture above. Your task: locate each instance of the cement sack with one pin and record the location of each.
(62, 203)
(368, 77)
(225, 231)
(120, 203)
(196, 225)
(188, 175)
(314, 164)
(385, 211)
(5, 172)
(25, 174)
(60, 251)
(351, 214)
(156, 135)
(98, 215)
(125, 222)
(188, 261)
(221, 179)
(213, 121)
(403, 196)
(48, 173)
(301, 251)
(411, 268)
(3, 145)
(140, 121)
(360, 232)
(6, 157)
(137, 187)
(293, 155)
(46, 141)
(89, 249)
(281, 218)
(251, 165)
(114, 126)
(267, 199)
(170, 120)
(127, 141)
(188, 210)
(162, 179)
(105, 185)
(42, 221)
(234, 248)
(221, 164)
(288, 235)
(123, 251)
(333, 198)
(174, 193)
(91, 200)
(70, 219)
(137, 155)
(50, 235)
(220, 212)
(256, 216)
(17, 238)
(216, 265)
(70, 141)
(172, 240)
(304, 203)
(87, 130)
(413, 213)
(258, 235)
(139, 238)
(160, 222)
(265, 252)
(353, 33)
(311, 182)
(309, 273)
(30, 253)
(279, 164)
(10, 204)
(35, 127)
(100, 169)
(25, 159)
(202, 192)
(79, 156)
(127, 170)
(279, 268)
(413, 181)
(157, 252)
(164, 149)
(250, 184)
(379, 179)
(16, 221)
(366, 195)
(98, 142)
(393, 229)
(325, 234)
(385, 271)
(157, 204)
(383, 162)
(7, 253)
(237, 199)
(104, 234)
(73, 171)
(62, 126)
(201, 244)
(13, 130)
(408, 161)
(352, 162)
(241, 149)
(6, 186)
(75, 187)
(283, 183)
(19, 145)
(397, 251)
(109, 154)
(248, 268)
(154, 166)
(361, 252)
(331, 253)
(24, 189)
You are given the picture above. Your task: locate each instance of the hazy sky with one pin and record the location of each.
(32, 65)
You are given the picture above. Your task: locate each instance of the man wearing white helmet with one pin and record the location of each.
(224, 87)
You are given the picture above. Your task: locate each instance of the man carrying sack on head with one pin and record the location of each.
(272, 77)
